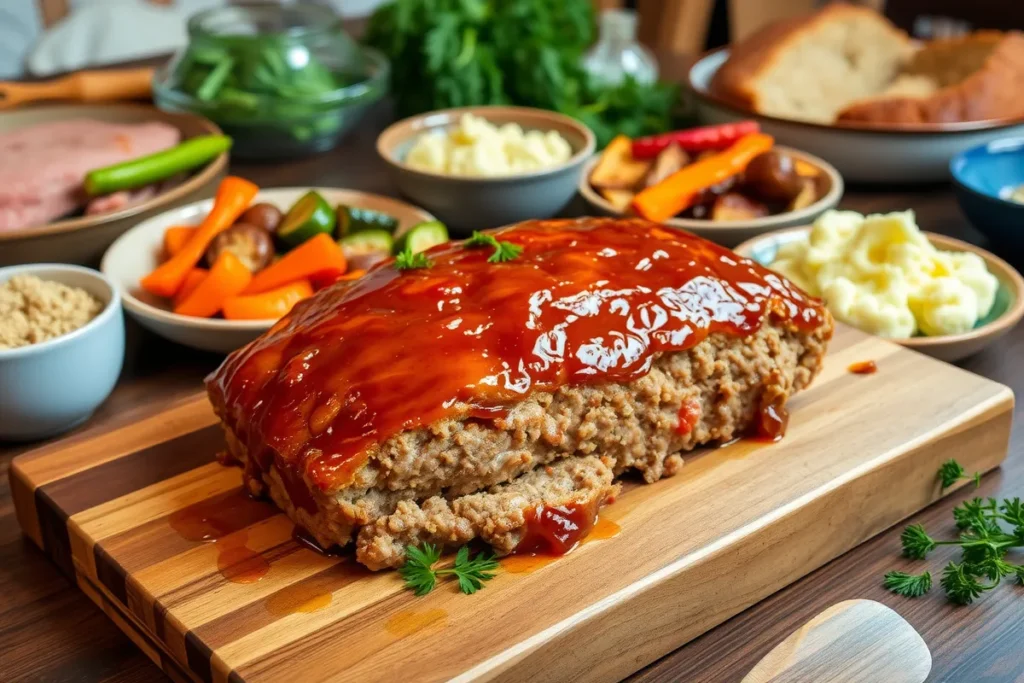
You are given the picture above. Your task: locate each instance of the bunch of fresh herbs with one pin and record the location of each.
(454, 53)
(989, 530)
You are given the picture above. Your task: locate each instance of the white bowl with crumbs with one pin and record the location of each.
(61, 348)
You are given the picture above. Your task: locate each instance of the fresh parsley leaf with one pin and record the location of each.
(418, 569)
(961, 586)
(506, 251)
(503, 251)
(908, 585)
(984, 543)
(951, 472)
(916, 542)
(471, 572)
(406, 260)
(481, 239)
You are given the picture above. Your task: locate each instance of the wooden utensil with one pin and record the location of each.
(85, 86)
(854, 641)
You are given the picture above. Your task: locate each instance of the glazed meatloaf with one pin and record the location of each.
(478, 399)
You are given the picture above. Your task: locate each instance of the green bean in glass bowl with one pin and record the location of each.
(282, 80)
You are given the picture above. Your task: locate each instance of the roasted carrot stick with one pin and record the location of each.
(315, 258)
(176, 237)
(233, 197)
(191, 281)
(677, 192)
(227, 278)
(268, 305)
(328, 279)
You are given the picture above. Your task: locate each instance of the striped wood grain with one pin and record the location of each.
(737, 524)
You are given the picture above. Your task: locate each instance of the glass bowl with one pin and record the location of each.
(282, 80)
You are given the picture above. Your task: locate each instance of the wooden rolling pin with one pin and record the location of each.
(107, 85)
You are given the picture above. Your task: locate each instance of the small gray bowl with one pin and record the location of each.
(51, 387)
(467, 203)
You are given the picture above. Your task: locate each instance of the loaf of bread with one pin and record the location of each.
(848, 63)
(976, 77)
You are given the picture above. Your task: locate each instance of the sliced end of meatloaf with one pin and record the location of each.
(500, 516)
(459, 479)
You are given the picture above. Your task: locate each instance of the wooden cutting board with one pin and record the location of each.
(122, 513)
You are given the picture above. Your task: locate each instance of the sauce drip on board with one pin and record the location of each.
(555, 529)
(223, 521)
(526, 562)
(586, 301)
(864, 367)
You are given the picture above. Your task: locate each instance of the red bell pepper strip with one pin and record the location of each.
(695, 139)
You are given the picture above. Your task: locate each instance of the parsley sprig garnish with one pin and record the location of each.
(407, 260)
(984, 541)
(421, 577)
(503, 251)
(952, 472)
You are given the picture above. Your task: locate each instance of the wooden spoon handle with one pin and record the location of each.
(84, 86)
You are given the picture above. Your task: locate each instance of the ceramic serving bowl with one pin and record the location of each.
(471, 203)
(983, 178)
(140, 250)
(731, 233)
(1006, 312)
(862, 152)
(83, 239)
(51, 387)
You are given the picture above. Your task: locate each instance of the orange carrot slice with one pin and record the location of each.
(316, 258)
(268, 305)
(176, 237)
(675, 193)
(227, 278)
(192, 280)
(233, 197)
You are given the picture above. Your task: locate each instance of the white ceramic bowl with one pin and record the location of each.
(731, 233)
(861, 152)
(138, 251)
(1005, 314)
(55, 385)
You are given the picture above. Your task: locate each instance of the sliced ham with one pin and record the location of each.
(42, 166)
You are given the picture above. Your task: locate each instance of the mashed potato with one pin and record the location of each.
(479, 148)
(879, 273)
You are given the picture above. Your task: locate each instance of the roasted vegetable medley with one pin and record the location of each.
(249, 261)
(731, 172)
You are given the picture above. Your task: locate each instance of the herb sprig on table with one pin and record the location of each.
(989, 530)
(454, 53)
(471, 572)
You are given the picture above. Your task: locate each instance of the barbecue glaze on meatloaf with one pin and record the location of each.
(487, 400)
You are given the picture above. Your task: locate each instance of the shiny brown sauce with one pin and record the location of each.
(587, 301)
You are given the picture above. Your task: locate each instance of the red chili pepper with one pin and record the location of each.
(695, 139)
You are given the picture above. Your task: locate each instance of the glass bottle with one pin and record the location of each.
(617, 54)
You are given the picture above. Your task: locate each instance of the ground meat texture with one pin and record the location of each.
(420, 484)
(498, 516)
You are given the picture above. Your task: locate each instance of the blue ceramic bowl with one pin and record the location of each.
(983, 178)
(51, 387)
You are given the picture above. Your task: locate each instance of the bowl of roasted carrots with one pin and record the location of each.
(215, 274)
(727, 183)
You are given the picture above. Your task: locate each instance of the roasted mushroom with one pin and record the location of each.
(772, 176)
(252, 245)
(733, 206)
(263, 215)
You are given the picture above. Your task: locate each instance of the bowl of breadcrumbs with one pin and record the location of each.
(61, 347)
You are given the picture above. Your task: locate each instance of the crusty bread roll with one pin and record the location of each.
(972, 78)
(809, 68)
(846, 63)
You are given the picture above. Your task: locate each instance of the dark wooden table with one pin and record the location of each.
(50, 631)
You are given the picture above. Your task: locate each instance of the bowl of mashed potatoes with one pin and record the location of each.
(483, 167)
(882, 274)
